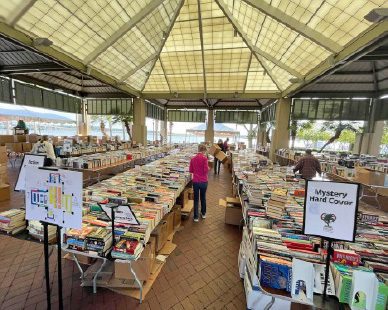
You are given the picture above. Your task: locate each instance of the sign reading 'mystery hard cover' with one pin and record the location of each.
(331, 210)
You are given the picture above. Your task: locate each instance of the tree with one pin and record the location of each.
(252, 133)
(100, 119)
(338, 129)
(296, 127)
(125, 119)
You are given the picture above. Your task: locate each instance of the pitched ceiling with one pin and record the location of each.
(162, 47)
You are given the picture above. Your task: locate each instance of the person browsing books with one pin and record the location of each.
(226, 145)
(44, 147)
(199, 168)
(217, 163)
(308, 166)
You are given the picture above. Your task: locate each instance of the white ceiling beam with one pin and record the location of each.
(165, 37)
(255, 49)
(139, 66)
(202, 48)
(123, 30)
(295, 25)
(18, 13)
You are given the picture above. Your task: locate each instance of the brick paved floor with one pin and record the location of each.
(201, 273)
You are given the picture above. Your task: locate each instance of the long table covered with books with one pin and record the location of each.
(273, 209)
(143, 199)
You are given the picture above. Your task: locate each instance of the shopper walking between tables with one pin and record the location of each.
(217, 163)
(308, 166)
(44, 147)
(199, 168)
(226, 145)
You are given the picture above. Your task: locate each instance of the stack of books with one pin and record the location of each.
(276, 205)
(127, 249)
(35, 230)
(13, 221)
(99, 241)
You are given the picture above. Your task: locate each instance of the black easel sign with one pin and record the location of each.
(330, 210)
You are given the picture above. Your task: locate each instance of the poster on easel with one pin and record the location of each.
(54, 196)
(330, 210)
(29, 160)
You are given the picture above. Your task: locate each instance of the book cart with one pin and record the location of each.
(258, 296)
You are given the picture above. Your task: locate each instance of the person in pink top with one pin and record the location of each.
(199, 168)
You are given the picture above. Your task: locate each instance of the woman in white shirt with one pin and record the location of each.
(44, 147)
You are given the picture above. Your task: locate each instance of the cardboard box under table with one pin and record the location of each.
(5, 193)
(160, 233)
(142, 266)
(233, 212)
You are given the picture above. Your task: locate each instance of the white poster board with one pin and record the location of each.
(331, 210)
(125, 215)
(54, 196)
(29, 160)
(67, 146)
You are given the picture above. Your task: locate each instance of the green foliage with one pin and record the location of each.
(347, 136)
(384, 139)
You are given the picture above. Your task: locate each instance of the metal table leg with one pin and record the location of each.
(79, 266)
(137, 281)
(96, 275)
(270, 304)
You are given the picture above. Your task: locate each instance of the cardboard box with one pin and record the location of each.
(19, 138)
(369, 177)
(191, 194)
(214, 149)
(3, 155)
(221, 156)
(233, 215)
(27, 147)
(5, 193)
(177, 216)
(142, 266)
(6, 139)
(170, 223)
(33, 138)
(18, 147)
(160, 233)
(4, 174)
(233, 211)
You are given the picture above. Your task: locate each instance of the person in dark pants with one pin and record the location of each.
(199, 168)
(217, 163)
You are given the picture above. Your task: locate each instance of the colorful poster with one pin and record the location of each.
(54, 196)
(29, 160)
(331, 210)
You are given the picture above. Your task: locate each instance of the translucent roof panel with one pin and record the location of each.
(78, 27)
(258, 78)
(185, 82)
(8, 8)
(139, 78)
(340, 21)
(157, 81)
(281, 76)
(139, 44)
(276, 39)
(169, 46)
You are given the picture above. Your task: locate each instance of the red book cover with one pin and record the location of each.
(345, 257)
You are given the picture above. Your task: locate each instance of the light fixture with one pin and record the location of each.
(377, 15)
(384, 96)
(88, 70)
(176, 95)
(41, 42)
(296, 80)
(235, 34)
(235, 95)
(164, 36)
